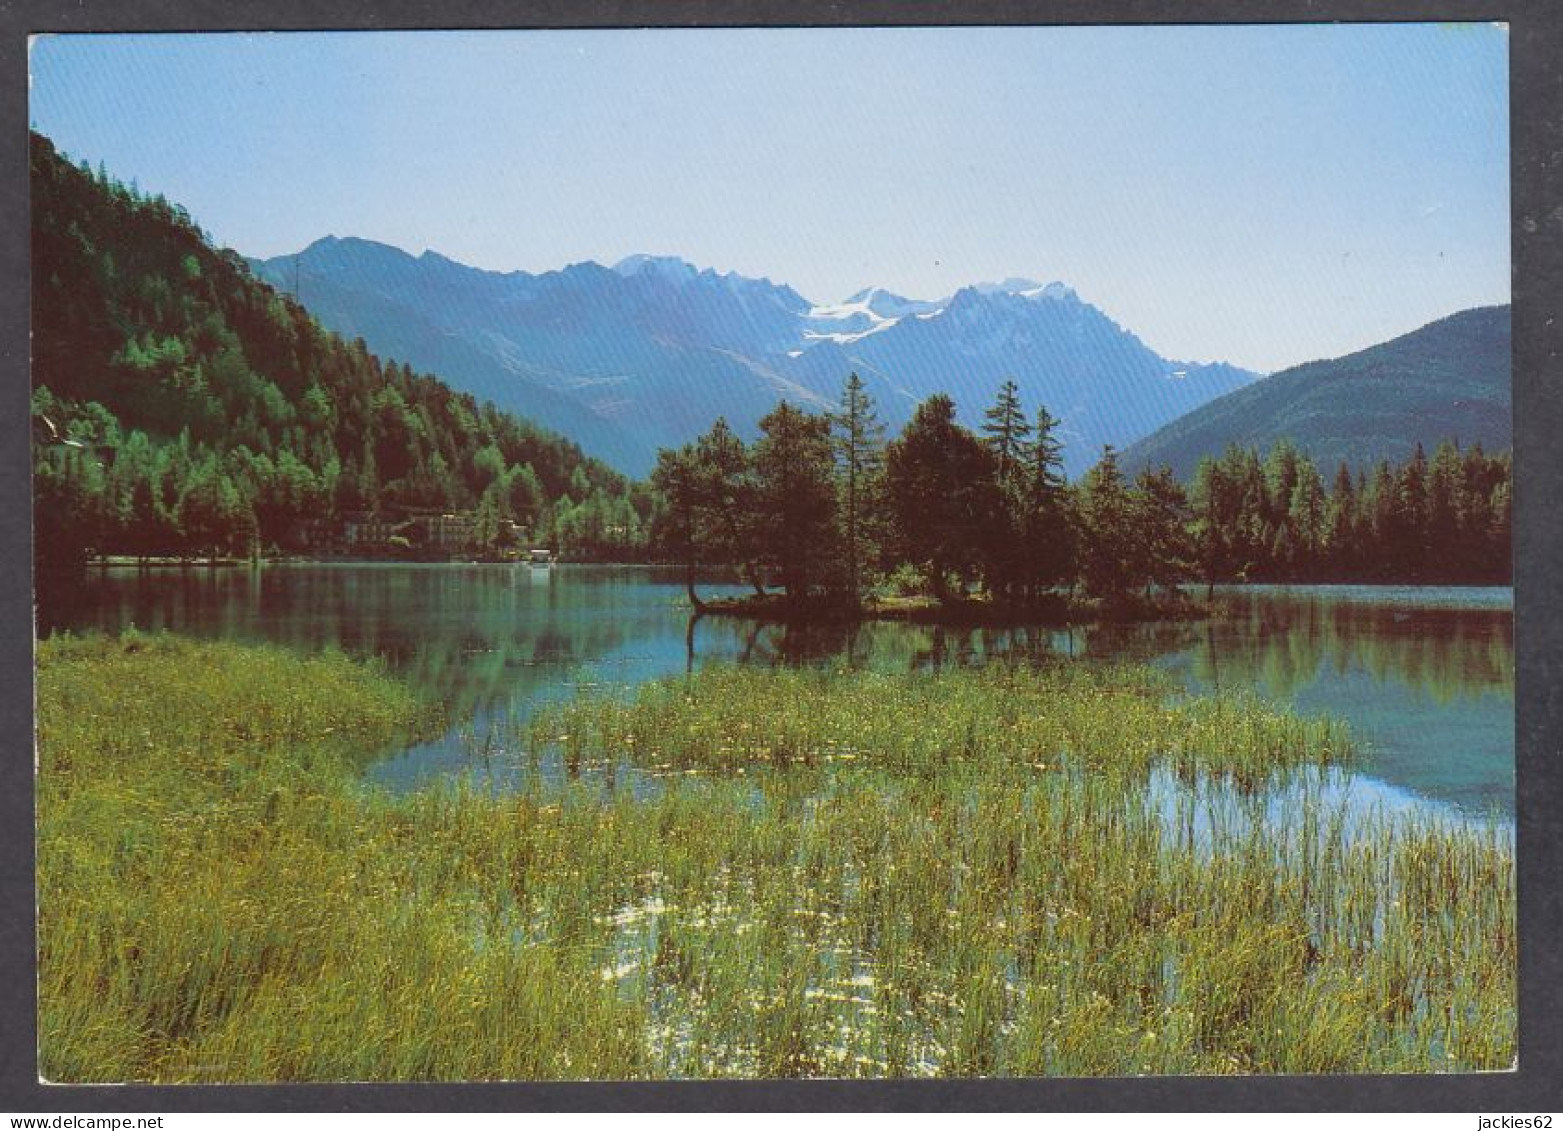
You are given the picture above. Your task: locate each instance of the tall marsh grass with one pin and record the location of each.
(842, 874)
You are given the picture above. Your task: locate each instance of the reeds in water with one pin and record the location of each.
(840, 874)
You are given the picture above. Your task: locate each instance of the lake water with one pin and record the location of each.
(1424, 675)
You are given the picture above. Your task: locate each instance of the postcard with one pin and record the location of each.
(773, 553)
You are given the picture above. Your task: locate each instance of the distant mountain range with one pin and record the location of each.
(1452, 379)
(647, 353)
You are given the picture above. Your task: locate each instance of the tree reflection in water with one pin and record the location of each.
(1425, 676)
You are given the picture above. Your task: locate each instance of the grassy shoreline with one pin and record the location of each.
(840, 874)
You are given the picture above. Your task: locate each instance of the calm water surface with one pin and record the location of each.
(1424, 675)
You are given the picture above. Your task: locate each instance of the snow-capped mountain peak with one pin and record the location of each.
(887, 304)
(1010, 286)
(1027, 288)
(666, 266)
(1055, 290)
(870, 311)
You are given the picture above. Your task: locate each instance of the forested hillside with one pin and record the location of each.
(1450, 380)
(182, 407)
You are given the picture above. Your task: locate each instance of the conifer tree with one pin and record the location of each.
(725, 505)
(1048, 530)
(939, 487)
(1110, 556)
(859, 450)
(1006, 430)
(795, 498)
(1163, 547)
(677, 482)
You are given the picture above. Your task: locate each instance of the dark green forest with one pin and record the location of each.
(1444, 520)
(183, 408)
(825, 508)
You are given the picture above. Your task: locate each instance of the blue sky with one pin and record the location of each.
(1264, 195)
